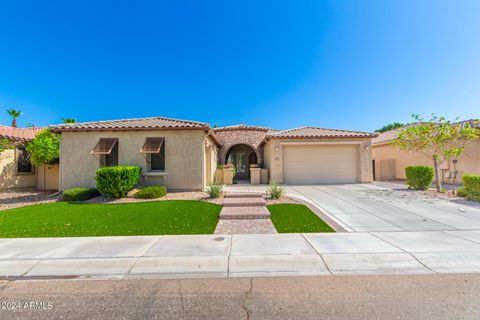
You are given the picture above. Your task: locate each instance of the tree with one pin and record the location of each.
(390, 126)
(5, 144)
(438, 139)
(69, 120)
(44, 148)
(14, 114)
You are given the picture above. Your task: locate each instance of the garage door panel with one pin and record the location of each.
(320, 164)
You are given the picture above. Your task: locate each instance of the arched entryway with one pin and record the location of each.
(241, 156)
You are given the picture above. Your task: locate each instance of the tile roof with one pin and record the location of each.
(314, 132)
(13, 133)
(390, 135)
(131, 124)
(241, 126)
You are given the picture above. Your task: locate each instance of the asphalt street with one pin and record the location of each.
(341, 297)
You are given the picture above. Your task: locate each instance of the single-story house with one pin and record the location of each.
(183, 155)
(16, 171)
(390, 162)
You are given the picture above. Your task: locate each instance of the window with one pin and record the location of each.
(23, 161)
(107, 150)
(154, 148)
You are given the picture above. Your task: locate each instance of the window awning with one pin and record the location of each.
(104, 146)
(152, 145)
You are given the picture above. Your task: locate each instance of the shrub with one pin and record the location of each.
(151, 192)
(275, 191)
(472, 186)
(419, 177)
(462, 192)
(214, 189)
(80, 194)
(117, 181)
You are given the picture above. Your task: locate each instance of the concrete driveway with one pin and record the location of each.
(384, 207)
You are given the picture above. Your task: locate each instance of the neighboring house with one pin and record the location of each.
(16, 171)
(390, 161)
(183, 155)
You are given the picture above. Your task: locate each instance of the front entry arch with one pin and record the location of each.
(241, 156)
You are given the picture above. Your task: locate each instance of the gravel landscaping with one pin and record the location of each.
(10, 199)
(194, 195)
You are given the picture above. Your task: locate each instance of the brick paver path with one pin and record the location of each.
(244, 213)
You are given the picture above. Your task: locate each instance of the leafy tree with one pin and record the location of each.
(44, 148)
(390, 126)
(14, 114)
(438, 139)
(69, 120)
(5, 144)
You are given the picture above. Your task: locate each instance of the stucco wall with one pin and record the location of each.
(9, 179)
(275, 155)
(184, 157)
(468, 162)
(229, 138)
(210, 156)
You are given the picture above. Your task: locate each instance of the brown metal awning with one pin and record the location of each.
(152, 145)
(104, 146)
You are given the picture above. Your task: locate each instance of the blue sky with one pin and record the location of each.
(342, 64)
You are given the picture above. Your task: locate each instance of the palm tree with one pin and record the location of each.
(69, 120)
(14, 114)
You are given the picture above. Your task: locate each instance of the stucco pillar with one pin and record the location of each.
(255, 175)
(228, 176)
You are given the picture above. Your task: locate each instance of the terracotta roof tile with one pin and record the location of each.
(241, 126)
(390, 135)
(314, 132)
(13, 133)
(131, 124)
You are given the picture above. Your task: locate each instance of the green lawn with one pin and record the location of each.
(292, 218)
(63, 219)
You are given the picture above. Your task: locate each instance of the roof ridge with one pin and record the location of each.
(321, 128)
(130, 119)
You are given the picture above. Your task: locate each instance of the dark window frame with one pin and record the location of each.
(21, 154)
(160, 157)
(111, 159)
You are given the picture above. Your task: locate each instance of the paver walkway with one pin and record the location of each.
(244, 213)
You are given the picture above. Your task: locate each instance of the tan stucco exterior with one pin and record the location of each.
(274, 155)
(10, 179)
(388, 157)
(186, 155)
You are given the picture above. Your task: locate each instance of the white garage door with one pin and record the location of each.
(320, 164)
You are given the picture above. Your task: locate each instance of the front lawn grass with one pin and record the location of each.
(64, 219)
(296, 218)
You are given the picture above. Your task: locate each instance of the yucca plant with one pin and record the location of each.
(214, 189)
(275, 190)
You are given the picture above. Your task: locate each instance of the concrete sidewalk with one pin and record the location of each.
(382, 253)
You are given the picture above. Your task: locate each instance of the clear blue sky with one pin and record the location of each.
(344, 64)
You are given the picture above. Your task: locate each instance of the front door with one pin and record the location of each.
(241, 165)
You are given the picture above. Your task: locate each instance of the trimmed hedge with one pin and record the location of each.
(462, 192)
(151, 192)
(80, 194)
(472, 186)
(118, 180)
(419, 177)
